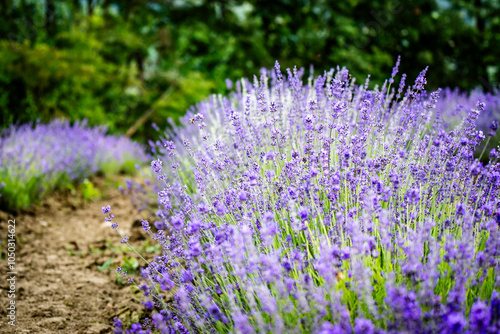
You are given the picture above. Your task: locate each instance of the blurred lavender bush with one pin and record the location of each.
(454, 106)
(36, 159)
(323, 207)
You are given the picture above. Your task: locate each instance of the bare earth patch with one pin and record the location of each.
(59, 245)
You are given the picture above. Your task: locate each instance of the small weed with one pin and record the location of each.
(89, 192)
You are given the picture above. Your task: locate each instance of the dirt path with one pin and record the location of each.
(58, 247)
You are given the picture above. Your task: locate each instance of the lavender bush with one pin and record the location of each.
(35, 159)
(323, 207)
(454, 106)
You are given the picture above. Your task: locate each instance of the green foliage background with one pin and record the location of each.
(111, 61)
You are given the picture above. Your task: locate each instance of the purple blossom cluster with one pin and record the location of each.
(454, 106)
(40, 157)
(323, 206)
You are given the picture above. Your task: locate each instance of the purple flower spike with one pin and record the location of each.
(243, 196)
(106, 209)
(303, 213)
(156, 165)
(493, 129)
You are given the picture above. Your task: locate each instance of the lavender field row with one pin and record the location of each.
(313, 204)
(38, 158)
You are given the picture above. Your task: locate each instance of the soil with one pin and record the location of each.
(59, 246)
